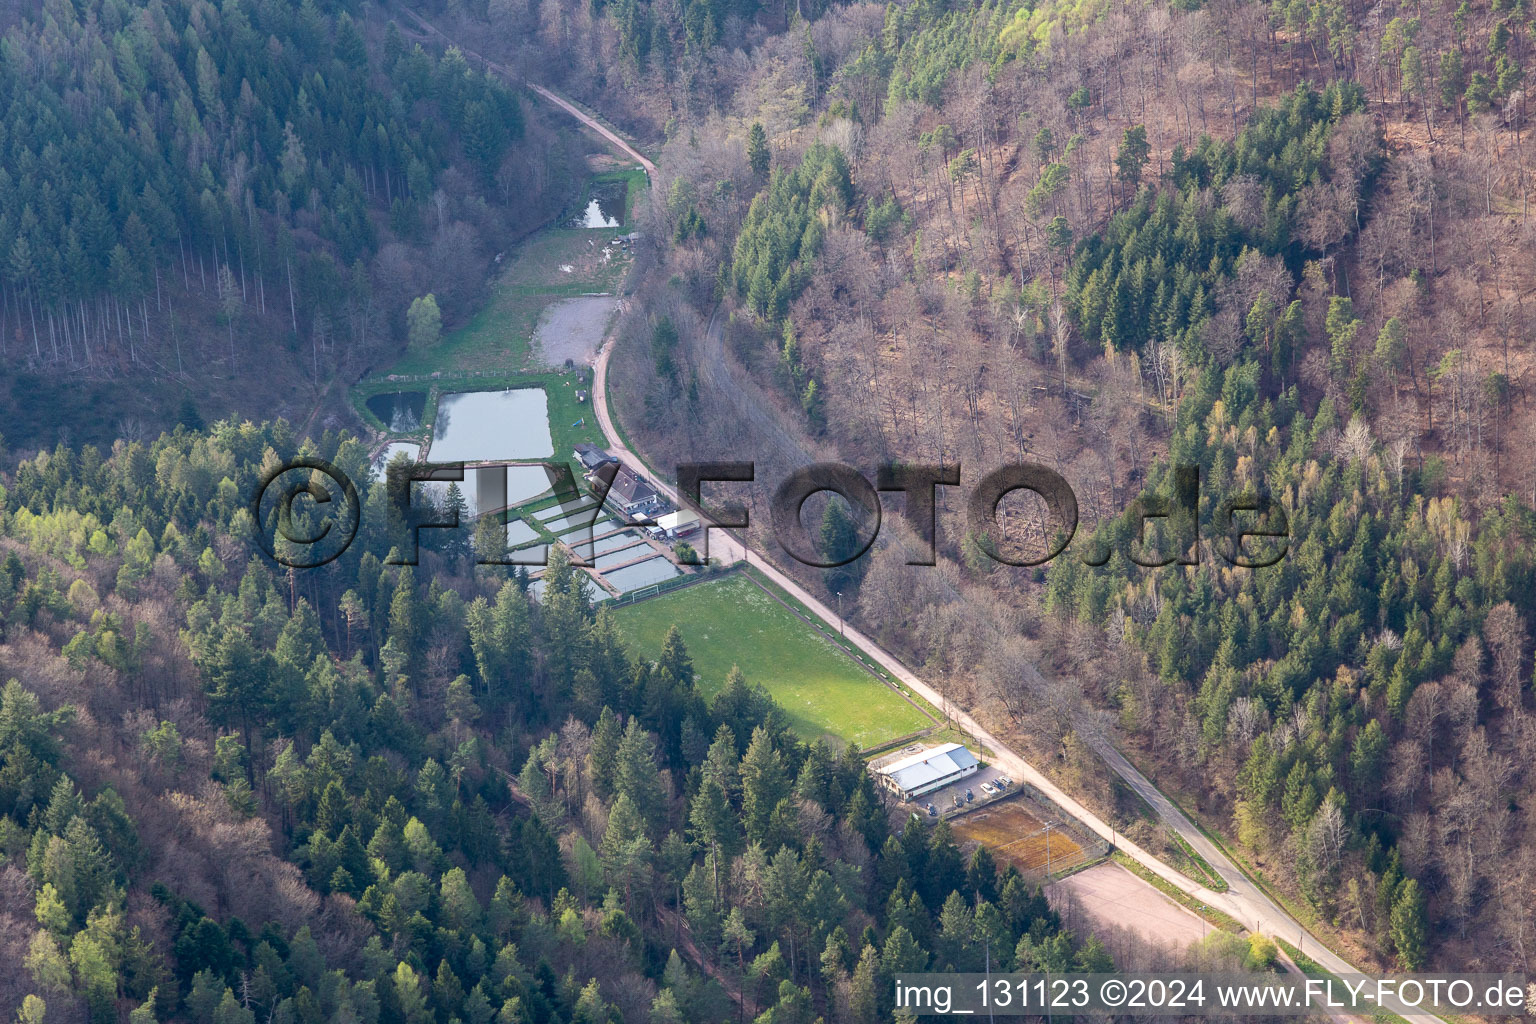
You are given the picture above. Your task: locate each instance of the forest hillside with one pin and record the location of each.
(1286, 243)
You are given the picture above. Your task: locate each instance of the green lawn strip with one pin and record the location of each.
(1302, 914)
(729, 621)
(1312, 969)
(638, 183)
(1209, 878)
(1218, 918)
(853, 649)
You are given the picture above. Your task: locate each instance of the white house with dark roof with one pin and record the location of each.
(632, 495)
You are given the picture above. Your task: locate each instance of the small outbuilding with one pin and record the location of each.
(675, 524)
(591, 456)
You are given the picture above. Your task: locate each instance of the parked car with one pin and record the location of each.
(1003, 782)
(933, 812)
(969, 796)
(988, 788)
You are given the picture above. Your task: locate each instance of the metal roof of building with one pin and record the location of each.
(935, 763)
(680, 519)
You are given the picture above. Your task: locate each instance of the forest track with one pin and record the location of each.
(1244, 900)
(542, 91)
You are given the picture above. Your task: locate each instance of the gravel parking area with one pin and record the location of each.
(572, 329)
(1111, 897)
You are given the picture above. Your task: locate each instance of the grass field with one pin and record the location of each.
(1015, 836)
(733, 622)
(534, 274)
(499, 336)
(493, 349)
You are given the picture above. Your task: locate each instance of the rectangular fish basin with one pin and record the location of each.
(642, 574)
(613, 541)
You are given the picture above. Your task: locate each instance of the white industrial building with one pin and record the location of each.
(928, 770)
(675, 524)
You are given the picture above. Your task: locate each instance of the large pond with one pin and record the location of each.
(400, 411)
(642, 574)
(605, 206)
(479, 425)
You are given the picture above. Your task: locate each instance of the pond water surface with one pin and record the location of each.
(605, 207)
(478, 425)
(585, 519)
(519, 532)
(623, 555)
(400, 411)
(642, 574)
(544, 515)
(623, 538)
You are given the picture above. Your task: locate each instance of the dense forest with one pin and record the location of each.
(1286, 243)
(232, 794)
(261, 175)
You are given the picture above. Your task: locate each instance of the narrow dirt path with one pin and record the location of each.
(542, 91)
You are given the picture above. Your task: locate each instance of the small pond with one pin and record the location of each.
(519, 532)
(613, 541)
(536, 588)
(400, 411)
(479, 425)
(586, 520)
(605, 206)
(622, 555)
(642, 574)
(544, 515)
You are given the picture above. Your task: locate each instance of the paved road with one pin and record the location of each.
(1244, 900)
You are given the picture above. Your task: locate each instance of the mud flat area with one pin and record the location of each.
(572, 329)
